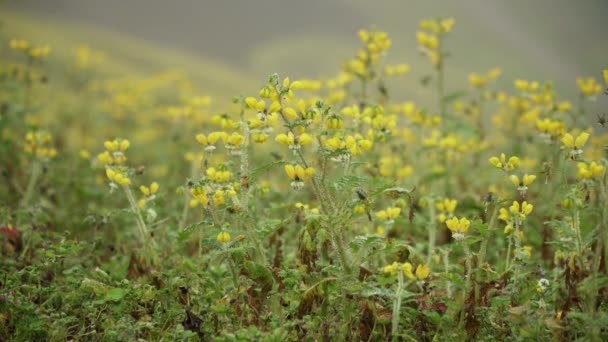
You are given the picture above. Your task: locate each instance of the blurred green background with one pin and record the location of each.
(232, 46)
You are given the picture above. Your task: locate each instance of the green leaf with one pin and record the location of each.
(367, 242)
(115, 295)
(350, 182)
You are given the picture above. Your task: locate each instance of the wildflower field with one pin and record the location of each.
(144, 207)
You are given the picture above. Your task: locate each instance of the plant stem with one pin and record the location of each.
(141, 224)
(36, 171)
(576, 221)
(339, 244)
(468, 279)
(432, 233)
(440, 87)
(483, 251)
(507, 264)
(186, 208)
(446, 265)
(397, 305)
(249, 223)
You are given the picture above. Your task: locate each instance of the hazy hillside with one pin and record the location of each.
(545, 39)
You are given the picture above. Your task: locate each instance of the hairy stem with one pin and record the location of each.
(397, 305)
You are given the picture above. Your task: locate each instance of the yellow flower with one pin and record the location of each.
(446, 209)
(577, 143)
(589, 171)
(521, 210)
(422, 271)
(295, 85)
(294, 142)
(209, 140)
(395, 70)
(290, 113)
(480, 81)
(298, 175)
(259, 137)
(589, 86)
(526, 86)
(359, 209)
(428, 41)
(154, 187)
(502, 163)
(223, 237)
(392, 268)
(200, 194)
(218, 197)
(522, 185)
(218, 176)
(406, 268)
(117, 177)
(446, 25)
(334, 122)
(39, 52)
(84, 154)
(552, 128)
(144, 190)
(458, 227)
(105, 158)
(382, 215)
(388, 215)
(19, 44)
(149, 191)
(606, 77)
(447, 205)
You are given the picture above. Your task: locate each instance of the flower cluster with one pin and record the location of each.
(522, 185)
(34, 52)
(388, 215)
(298, 175)
(421, 273)
(458, 227)
(575, 144)
(149, 193)
(430, 38)
(115, 152)
(480, 81)
(39, 144)
(515, 215)
(375, 43)
(504, 164)
(446, 208)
